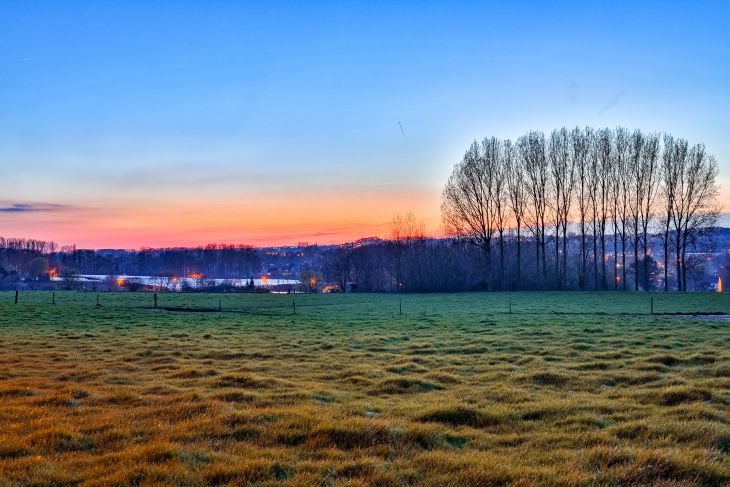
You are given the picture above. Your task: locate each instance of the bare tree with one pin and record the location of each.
(650, 180)
(636, 194)
(404, 230)
(579, 156)
(466, 207)
(622, 184)
(563, 177)
(594, 185)
(695, 201)
(532, 151)
(495, 158)
(672, 159)
(515, 174)
(566, 196)
(604, 181)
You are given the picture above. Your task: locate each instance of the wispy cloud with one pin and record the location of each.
(573, 90)
(31, 207)
(613, 101)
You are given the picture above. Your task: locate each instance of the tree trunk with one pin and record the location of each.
(595, 261)
(636, 260)
(666, 261)
(582, 279)
(623, 263)
(565, 254)
(538, 276)
(679, 264)
(646, 264)
(557, 256)
(519, 258)
(543, 277)
(501, 260)
(615, 260)
(603, 261)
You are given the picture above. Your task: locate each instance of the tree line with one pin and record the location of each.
(608, 189)
(219, 260)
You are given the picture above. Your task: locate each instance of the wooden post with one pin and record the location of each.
(155, 297)
(400, 306)
(97, 300)
(16, 296)
(294, 306)
(652, 305)
(510, 305)
(53, 298)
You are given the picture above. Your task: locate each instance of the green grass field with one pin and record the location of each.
(568, 389)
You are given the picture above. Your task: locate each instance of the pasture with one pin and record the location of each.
(568, 389)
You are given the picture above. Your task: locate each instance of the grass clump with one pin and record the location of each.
(406, 386)
(674, 396)
(462, 416)
(242, 381)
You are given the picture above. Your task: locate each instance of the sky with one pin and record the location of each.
(149, 124)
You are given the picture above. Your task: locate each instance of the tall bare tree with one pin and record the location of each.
(603, 149)
(579, 157)
(637, 187)
(515, 174)
(466, 206)
(621, 197)
(532, 151)
(695, 205)
(563, 177)
(672, 153)
(494, 154)
(650, 169)
(594, 185)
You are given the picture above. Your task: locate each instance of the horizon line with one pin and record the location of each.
(725, 226)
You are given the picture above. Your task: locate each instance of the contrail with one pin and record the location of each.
(402, 131)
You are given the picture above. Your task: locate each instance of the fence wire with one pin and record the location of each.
(363, 304)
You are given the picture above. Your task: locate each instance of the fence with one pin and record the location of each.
(353, 305)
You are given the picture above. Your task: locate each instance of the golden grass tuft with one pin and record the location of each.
(462, 416)
(405, 385)
(673, 396)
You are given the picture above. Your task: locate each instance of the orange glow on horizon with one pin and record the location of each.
(328, 216)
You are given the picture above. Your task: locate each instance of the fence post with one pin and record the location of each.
(510, 305)
(97, 300)
(53, 298)
(16, 296)
(652, 305)
(219, 304)
(155, 296)
(400, 306)
(294, 306)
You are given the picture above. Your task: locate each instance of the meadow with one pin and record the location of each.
(566, 389)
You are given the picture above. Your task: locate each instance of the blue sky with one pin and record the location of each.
(120, 115)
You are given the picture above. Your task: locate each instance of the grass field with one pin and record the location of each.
(568, 389)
